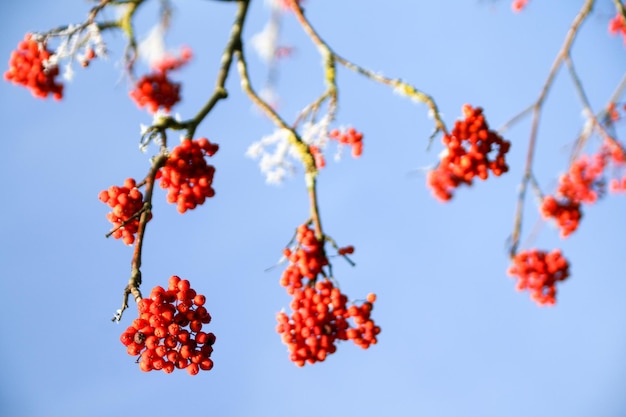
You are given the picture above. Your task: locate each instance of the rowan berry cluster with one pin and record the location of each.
(168, 333)
(30, 66)
(468, 154)
(318, 156)
(156, 90)
(320, 311)
(126, 202)
(186, 174)
(538, 272)
(89, 56)
(349, 137)
(582, 184)
(616, 154)
(618, 26)
(518, 5)
(613, 112)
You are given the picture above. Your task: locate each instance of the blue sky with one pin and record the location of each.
(457, 339)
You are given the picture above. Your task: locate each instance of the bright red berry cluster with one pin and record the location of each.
(616, 154)
(89, 56)
(127, 202)
(318, 156)
(518, 5)
(349, 137)
(305, 261)
(582, 184)
(538, 272)
(168, 333)
(618, 26)
(468, 154)
(29, 66)
(613, 112)
(566, 213)
(186, 174)
(320, 311)
(156, 90)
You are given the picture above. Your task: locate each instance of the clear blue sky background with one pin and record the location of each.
(457, 339)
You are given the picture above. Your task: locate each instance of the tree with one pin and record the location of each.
(413, 252)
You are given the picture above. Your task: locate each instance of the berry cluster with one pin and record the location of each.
(538, 272)
(582, 184)
(127, 202)
(616, 154)
(613, 112)
(156, 90)
(89, 56)
(320, 318)
(187, 175)
(318, 156)
(320, 311)
(566, 213)
(468, 154)
(518, 5)
(29, 66)
(159, 336)
(306, 261)
(618, 26)
(349, 137)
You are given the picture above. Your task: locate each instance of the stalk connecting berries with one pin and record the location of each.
(320, 311)
(127, 202)
(186, 174)
(349, 137)
(168, 333)
(539, 271)
(30, 66)
(156, 90)
(468, 154)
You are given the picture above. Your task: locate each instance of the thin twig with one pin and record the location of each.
(536, 109)
(397, 84)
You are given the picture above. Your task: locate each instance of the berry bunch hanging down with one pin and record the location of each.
(538, 272)
(320, 312)
(155, 90)
(349, 137)
(168, 333)
(30, 66)
(126, 202)
(582, 184)
(186, 174)
(472, 150)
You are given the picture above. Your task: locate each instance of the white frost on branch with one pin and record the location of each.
(316, 134)
(277, 157)
(74, 40)
(95, 41)
(274, 152)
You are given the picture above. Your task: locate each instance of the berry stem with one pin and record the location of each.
(330, 58)
(134, 281)
(536, 108)
(315, 213)
(307, 158)
(220, 92)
